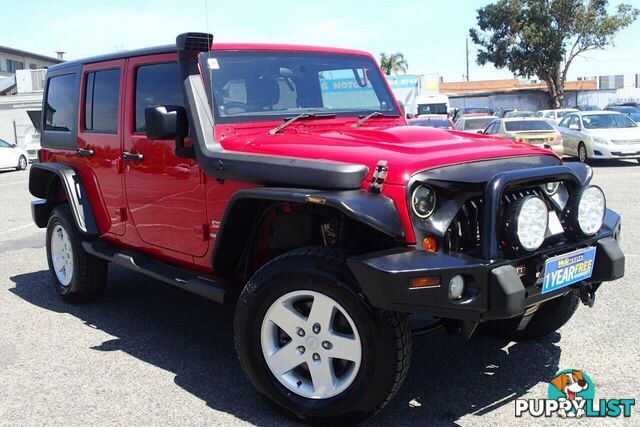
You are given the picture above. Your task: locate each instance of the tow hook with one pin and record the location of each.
(588, 295)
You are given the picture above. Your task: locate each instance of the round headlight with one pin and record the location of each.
(591, 209)
(531, 222)
(423, 201)
(551, 188)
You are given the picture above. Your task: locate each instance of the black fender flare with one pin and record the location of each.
(375, 210)
(43, 181)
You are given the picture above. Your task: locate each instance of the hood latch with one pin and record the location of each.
(378, 177)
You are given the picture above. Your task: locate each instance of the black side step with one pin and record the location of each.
(205, 286)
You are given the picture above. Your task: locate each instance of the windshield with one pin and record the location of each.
(432, 123)
(527, 125)
(607, 121)
(520, 114)
(561, 114)
(274, 85)
(477, 123)
(439, 108)
(625, 110)
(476, 110)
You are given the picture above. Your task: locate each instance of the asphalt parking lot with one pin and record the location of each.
(151, 354)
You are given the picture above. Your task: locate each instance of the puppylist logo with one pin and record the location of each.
(572, 395)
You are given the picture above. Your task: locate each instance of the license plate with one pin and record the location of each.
(567, 269)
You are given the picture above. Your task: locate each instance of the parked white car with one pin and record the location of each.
(12, 156)
(600, 135)
(554, 116)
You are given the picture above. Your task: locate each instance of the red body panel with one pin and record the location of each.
(166, 207)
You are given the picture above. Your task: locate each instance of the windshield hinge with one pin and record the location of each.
(378, 177)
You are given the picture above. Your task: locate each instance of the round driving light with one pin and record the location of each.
(456, 287)
(531, 222)
(423, 201)
(551, 188)
(591, 208)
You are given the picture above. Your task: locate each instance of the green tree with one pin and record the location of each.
(393, 64)
(542, 37)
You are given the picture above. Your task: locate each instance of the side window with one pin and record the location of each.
(550, 115)
(565, 122)
(4, 144)
(156, 84)
(460, 124)
(101, 96)
(575, 120)
(490, 129)
(60, 105)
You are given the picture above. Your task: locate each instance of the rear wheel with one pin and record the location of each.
(313, 346)
(583, 156)
(551, 316)
(22, 163)
(76, 275)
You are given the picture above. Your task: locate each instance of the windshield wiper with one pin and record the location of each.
(371, 116)
(302, 116)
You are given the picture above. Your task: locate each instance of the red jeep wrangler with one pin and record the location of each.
(284, 179)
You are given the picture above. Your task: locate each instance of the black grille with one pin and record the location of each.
(464, 233)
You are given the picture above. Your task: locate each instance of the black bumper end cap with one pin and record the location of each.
(609, 263)
(506, 295)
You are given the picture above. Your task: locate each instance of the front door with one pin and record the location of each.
(165, 194)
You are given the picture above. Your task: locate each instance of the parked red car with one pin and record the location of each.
(284, 179)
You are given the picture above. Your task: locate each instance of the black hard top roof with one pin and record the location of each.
(156, 50)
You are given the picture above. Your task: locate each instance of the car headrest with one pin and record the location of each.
(262, 92)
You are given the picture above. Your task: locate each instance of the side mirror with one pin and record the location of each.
(166, 122)
(13, 145)
(574, 126)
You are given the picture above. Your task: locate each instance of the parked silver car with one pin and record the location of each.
(600, 135)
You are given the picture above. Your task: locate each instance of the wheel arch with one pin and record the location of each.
(53, 184)
(247, 208)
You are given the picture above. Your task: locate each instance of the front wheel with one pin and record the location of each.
(313, 346)
(22, 163)
(583, 156)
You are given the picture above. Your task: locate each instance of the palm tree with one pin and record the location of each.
(393, 64)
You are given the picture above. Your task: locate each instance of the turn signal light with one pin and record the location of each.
(424, 282)
(429, 244)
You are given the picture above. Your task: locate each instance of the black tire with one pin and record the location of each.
(89, 274)
(550, 317)
(583, 155)
(385, 337)
(22, 163)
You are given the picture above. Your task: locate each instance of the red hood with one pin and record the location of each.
(407, 149)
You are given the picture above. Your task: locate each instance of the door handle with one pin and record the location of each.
(133, 157)
(85, 153)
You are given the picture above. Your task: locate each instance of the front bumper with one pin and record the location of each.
(615, 151)
(494, 288)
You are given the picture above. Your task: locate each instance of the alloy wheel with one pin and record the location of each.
(311, 344)
(62, 255)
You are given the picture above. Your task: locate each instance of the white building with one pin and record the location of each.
(22, 77)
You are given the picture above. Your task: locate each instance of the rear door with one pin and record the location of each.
(100, 136)
(166, 195)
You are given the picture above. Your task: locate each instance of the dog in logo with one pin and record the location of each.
(570, 383)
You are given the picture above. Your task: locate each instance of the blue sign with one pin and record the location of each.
(567, 269)
(397, 82)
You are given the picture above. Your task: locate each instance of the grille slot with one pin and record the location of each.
(464, 234)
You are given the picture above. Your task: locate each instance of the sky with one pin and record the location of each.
(430, 33)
